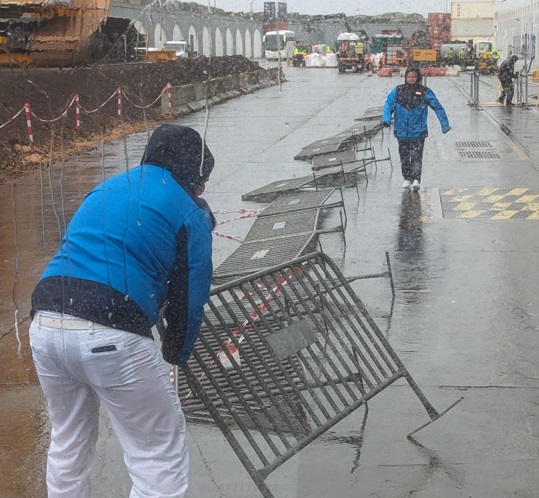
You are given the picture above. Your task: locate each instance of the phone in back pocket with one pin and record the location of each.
(104, 349)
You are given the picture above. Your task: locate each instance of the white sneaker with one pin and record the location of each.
(406, 184)
(415, 185)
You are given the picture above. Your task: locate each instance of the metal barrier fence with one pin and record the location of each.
(283, 355)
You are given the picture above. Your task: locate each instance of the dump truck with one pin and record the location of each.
(63, 33)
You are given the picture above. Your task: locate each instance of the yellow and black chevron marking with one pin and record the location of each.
(495, 204)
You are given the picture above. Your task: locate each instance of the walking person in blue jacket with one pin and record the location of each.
(139, 239)
(409, 104)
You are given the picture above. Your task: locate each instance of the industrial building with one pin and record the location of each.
(516, 26)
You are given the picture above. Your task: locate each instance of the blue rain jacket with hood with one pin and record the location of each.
(409, 104)
(139, 239)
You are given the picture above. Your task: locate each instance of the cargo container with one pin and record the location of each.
(380, 42)
(424, 56)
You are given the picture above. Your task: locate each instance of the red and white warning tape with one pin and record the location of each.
(126, 97)
(245, 327)
(251, 214)
(217, 211)
(237, 238)
(12, 118)
(64, 113)
(78, 107)
(102, 105)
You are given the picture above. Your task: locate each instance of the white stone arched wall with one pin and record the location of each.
(219, 48)
(206, 42)
(177, 33)
(193, 33)
(258, 50)
(239, 43)
(140, 27)
(248, 44)
(159, 36)
(229, 42)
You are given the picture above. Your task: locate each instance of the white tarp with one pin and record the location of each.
(315, 60)
(331, 60)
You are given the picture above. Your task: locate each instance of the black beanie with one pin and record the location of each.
(179, 149)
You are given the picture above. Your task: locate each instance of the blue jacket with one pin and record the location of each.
(409, 104)
(138, 239)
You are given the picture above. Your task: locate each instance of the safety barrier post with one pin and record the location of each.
(28, 114)
(474, 90)
(169, 95)
(523, 89)
(77, 111)
(119, 91)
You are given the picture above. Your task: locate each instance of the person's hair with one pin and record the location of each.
(413, 69)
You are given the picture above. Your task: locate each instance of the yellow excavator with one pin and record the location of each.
(59, 33)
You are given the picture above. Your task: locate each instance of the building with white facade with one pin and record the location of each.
(472, 21)
(516, 26)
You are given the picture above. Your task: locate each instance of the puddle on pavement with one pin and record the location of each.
(23, 422)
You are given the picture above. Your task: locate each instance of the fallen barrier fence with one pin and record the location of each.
(283, 356)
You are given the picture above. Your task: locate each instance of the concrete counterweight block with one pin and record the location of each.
(385, 72)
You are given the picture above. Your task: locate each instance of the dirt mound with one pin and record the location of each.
(49, 92)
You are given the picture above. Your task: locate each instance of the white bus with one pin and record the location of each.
(287, 43)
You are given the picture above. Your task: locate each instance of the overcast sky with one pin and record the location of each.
(349, 7)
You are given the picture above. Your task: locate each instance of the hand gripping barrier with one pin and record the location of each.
(283, 355)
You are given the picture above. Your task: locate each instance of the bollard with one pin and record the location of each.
(523, 90)
(474, 90)
(477, 88)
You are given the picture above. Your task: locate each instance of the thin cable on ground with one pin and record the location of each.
(16, 281)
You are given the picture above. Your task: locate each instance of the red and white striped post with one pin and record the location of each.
(77, 111)
(119, 101)
(169, 94)
(28, 113)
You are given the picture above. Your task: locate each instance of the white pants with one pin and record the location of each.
(126, 373)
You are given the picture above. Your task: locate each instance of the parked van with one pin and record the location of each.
(180, 47)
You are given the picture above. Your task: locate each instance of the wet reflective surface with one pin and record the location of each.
(464, 318)
(34, 212)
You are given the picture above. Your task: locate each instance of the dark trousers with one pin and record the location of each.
(411, 155)
(508, 90)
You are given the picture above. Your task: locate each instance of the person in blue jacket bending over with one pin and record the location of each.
(409, 104)
(138, 240)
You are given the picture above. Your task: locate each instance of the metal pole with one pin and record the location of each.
(474, 89)
(278, 50)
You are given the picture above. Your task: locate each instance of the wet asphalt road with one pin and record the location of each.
(464, 320)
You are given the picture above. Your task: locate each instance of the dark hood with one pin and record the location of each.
(416, 70)
(179, 149)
